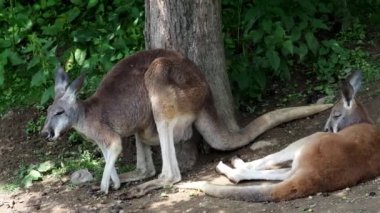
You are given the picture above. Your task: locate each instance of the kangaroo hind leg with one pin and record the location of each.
(270, 161)
(170, 173)
(144, 163)
(176, 94)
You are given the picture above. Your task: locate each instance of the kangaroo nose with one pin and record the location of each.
(47, 134)
(44, 134)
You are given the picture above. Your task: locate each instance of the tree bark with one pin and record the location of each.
(193, 27)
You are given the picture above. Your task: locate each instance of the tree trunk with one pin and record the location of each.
(193, 27)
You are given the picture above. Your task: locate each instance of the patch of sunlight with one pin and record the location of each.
(170, 200)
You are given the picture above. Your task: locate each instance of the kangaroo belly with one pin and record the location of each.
(183, 129)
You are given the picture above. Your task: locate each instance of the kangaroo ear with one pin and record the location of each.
(348, 94)
(61, 81)
(355, 80)
(76, 85)
(73, 89)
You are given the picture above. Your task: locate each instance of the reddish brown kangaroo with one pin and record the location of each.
(156, 95)
(321, 162)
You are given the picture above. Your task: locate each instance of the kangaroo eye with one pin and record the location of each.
(59, 112)
(337, 114)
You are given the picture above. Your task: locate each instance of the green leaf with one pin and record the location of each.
(77, 2)
(27, 182)
(48, 93)
(34, 174)
(30, 177)
(301, 51)
(257, 35)
(308, 6)
(279, 33)
(80, 56)
(318, 24)
(45, 166)
(273, 58)
(83, 35)
(6, 43)
(288, 22)
(288, 46)
(323, 8)
(92, 3)
(323, 51)
(312, 42)
(36, 60)
(267, 26)
(15, 59)
(37, 79)
(72, 14)
(295, 34)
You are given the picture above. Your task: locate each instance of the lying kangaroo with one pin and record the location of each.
(156, 95)
(322, 162)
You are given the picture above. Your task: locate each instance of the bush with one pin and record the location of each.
(266, 40)
(84, 36)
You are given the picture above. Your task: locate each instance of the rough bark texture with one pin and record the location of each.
(194, 29)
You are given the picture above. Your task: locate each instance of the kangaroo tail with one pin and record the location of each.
(285, 190)
(219, 137)
(247, 193)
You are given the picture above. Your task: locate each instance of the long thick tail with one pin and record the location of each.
(257, 193)
(219, 137)
(296, 186)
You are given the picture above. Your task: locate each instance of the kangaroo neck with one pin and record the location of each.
(79, 121)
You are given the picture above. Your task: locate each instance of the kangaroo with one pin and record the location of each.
(322, 162)
(157, 96)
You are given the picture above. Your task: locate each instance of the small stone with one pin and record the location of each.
(81, 176)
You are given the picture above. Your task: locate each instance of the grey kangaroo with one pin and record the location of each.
(157, 95)
(321, 162)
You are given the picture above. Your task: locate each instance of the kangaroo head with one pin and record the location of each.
(63, 112)
(348, 111)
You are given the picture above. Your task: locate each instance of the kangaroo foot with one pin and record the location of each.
(237, 162)
(227, 171)
(135, 176)
(143, 189)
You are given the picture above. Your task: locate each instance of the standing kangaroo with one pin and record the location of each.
(156, 95)
(321, 162)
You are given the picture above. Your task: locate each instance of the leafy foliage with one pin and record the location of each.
(87, 156)
(84, 36)
(266, 40)
(34, 172)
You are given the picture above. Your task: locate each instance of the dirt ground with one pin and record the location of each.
(57, 195)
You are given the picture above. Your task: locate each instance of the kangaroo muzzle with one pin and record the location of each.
(47, 134)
